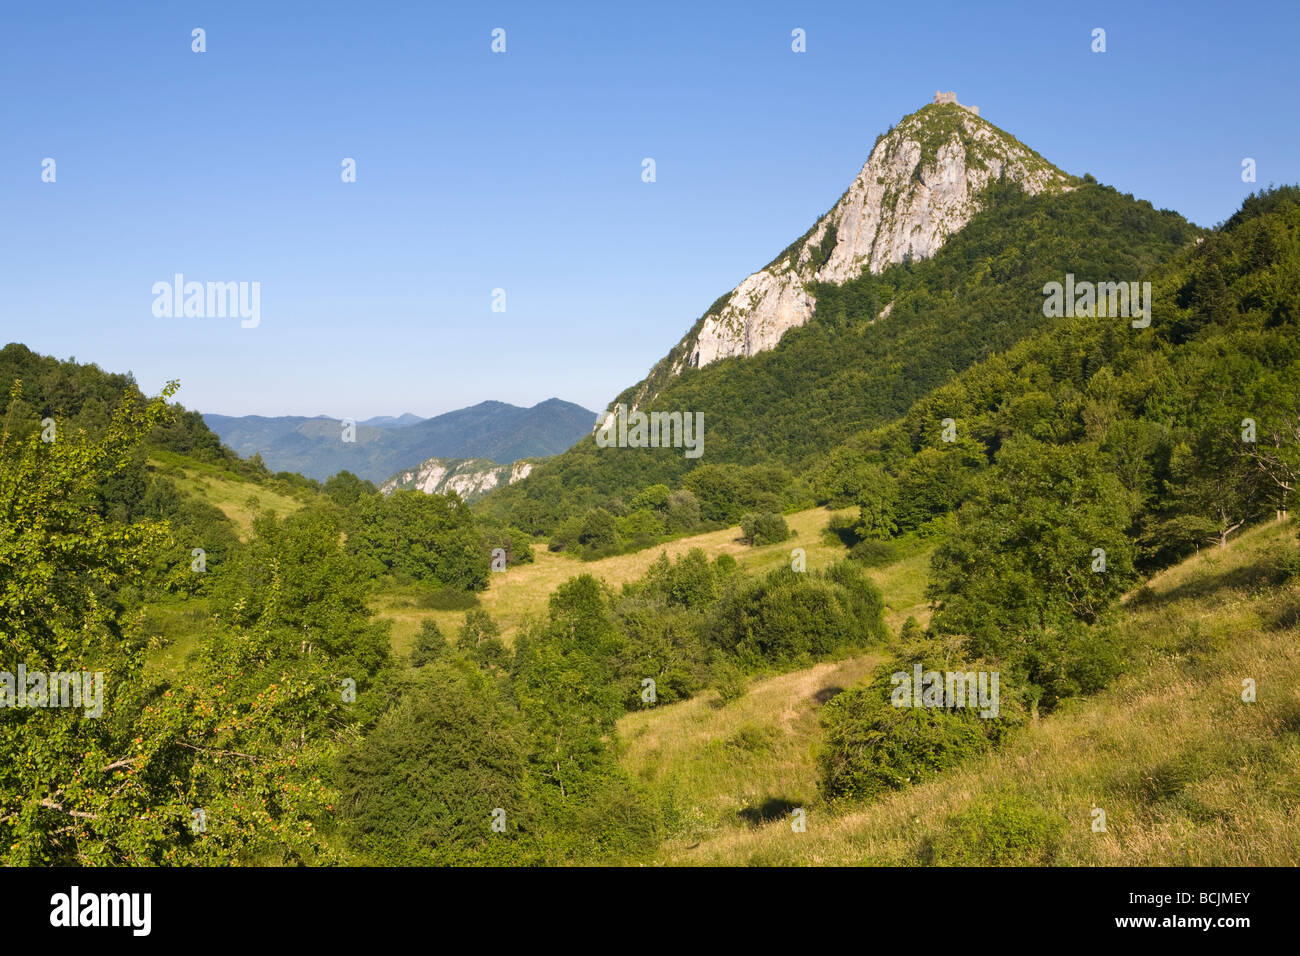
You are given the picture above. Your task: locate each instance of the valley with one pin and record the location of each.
(914, 465)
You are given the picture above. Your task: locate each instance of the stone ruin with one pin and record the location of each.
(951, 97)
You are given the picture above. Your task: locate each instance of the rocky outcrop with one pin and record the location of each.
(468, 477)
(919, 186)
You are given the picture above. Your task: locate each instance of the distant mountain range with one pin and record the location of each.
(385, 445)
(388, 421)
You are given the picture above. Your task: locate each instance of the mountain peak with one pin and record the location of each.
(921, 183)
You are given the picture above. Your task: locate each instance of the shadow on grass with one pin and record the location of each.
(773, 808)
(1244, 578)
(1285, 612)
(828, 693)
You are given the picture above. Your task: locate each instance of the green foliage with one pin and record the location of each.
(1073, 436)
(871, 747)
(872, 553)
(731, 681)
(843, 477)
(879, 737)
(1106, 437)
(638, 529)
(478, 627)
(683, 512)
(479, 638)
(764, 528)
(661, 620)
(192, 524)
(787, 616)
(243, 733)
(654, 498)
(85, 398)
(63, 567)
(422, 787)
(598, 534)
(1023, 571)
(934, 482)
(418, 537)
(1007, 832)
(561, 679)
(430, 645)
(724, 565)
(346, 489)
(517, 545)
(448, 599)
(294, 578)
(877, 501)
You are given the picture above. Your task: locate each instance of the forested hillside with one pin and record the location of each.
(874, 346)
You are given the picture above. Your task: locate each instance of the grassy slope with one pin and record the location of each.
(721, 768)
(238, 498)
(1186, 772)
(176, 624)
(521, 592)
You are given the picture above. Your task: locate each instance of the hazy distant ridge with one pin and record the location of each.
(385, 445)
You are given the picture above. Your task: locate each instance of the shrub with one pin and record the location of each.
(448, 599)
(640, 529)
(877, 500)
(517, 545)
(419, 537)
(683, 512)
(874, 553)
(787, 616)
(421, 787)
(430, 645)
(840, 528)
(1285, 559)
(1010, 832)
(764, 528)
(725, 565)
(478, 628)
(753, 738)
(731, 682)
(598, 535)
(872, 746)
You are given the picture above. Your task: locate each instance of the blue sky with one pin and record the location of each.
(522, 170)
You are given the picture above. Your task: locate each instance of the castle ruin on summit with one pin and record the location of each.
(951, 97)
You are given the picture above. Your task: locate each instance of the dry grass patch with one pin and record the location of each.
(521, 592)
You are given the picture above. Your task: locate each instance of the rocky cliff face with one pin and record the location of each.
(468, 477)
(919, 186)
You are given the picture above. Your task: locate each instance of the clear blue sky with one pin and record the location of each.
(523, 171)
